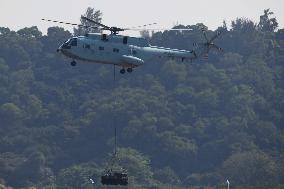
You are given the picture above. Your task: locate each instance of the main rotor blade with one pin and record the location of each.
(142, 26)
(181, 29)
(156, 29)
(67, 23)
(97, 23)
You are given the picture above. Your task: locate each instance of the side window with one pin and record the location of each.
(125, 39)
(104, 37)
(101, 48)
(134, 52)
(116, 50)
(87, 46)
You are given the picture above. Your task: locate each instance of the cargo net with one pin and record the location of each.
(114, 173)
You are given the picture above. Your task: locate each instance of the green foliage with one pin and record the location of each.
(30, 33)
(267, 24)
(137, 166)
(77, 176)
(180, 125)
(250, 170)
(92, 14)
(10, 111)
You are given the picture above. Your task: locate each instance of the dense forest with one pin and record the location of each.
(180, 124)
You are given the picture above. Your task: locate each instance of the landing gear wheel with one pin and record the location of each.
(73, 63)
(122, 71)
(129, 70)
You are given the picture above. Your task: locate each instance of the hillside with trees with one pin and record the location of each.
(180, 125)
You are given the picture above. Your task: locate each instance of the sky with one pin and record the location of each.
(17, 14)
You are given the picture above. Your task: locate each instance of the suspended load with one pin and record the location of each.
(115, 178)
(115, 174)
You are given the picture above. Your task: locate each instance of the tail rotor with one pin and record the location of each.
(205, 35)
(209, 44)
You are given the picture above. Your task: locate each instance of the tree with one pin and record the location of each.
(78, 176)
(173, 73)
(92, 14)
(11, 112)
(29, 33)
(267, 24)
(167, 175)
(246, 39)
(250, 170)
(4, 31)
(179, 124)
(137, 165)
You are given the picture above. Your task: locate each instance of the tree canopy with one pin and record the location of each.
(180, 125)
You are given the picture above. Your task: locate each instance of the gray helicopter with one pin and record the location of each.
(124, 51)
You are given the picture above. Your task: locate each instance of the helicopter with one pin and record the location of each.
(124, 51)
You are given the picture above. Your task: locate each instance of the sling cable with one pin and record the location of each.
(114, 174)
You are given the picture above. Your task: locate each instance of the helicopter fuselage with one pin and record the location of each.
(124, 51)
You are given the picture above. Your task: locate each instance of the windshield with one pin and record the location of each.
(71, 42)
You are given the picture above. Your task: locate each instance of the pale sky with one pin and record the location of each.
(17, 14)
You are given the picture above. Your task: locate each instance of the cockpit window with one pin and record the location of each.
(67, 42)
(73, 42)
